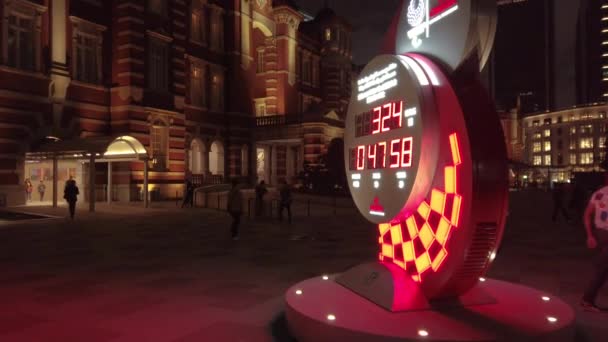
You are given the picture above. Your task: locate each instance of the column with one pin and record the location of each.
(145, 184)
(109, 189)
(290, 164)
(55, 170)
(273, 165)
(92, 182)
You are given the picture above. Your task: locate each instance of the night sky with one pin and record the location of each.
(370, 20)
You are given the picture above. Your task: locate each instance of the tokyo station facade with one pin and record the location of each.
(154, 92)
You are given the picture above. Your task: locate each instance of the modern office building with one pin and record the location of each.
(592, 52)
(154, 91)
(559, 143)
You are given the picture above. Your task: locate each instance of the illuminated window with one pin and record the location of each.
(217, 91)
(547, 133)
(197, 84)
(587, 158)
(536, 147)
(260, 109)
(260, 64)
(586, 143)
(573, 144)
(158, 65)
(547, 146)
(22, 30)
(538, 160)
(602, 142)
(87, 51)
(573, 159)
(159, 145)
(535, 123)
(328, 34)
(547, 121)
(572, 130)
(602, 156)
(536, 136)
(586, 129)
(547, 160)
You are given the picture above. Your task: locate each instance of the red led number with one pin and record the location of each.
(360, 158)
(387, 117)
(376, 118)
(406, 152)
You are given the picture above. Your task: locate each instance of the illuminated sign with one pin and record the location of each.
(448, 30)
(421, 14)
(384, 139)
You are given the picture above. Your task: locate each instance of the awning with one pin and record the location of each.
(104, 148)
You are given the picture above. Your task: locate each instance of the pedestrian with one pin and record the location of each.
(28, 189)
(285, 201)
(41, 190)
(235, 207)
(70, 194)
(559, 195)
(189, 195)
(597, 238)
(260, 191)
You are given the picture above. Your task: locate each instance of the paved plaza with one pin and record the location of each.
(169, 274)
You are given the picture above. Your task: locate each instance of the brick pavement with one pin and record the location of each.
(165, 274)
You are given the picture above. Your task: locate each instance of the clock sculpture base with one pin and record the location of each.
(321, 309)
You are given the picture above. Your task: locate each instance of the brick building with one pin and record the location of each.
(212, 89)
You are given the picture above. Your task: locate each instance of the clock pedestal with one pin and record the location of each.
(372, 309)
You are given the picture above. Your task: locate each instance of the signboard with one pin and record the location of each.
(389, 119)
(447, 30)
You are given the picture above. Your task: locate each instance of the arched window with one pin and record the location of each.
(196, 157)
(159, 145)
(216, 158)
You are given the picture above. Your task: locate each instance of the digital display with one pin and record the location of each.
(384, 133)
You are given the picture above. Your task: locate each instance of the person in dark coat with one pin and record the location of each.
(285, 201)
(70, 194)
(189, 195)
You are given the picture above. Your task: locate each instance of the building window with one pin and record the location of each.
(315, 73)
(21, 33)
(572, 130)
(328, 34)
(159, 145)
(587, 158)
(547, 146)
(586, 143)
(261, 66)
(197, 85)
(217, 30)
(559, 132)
(547, 133)
(535, 123)
(586, 129)
(560, 119)
(87, 51)
(217, 91)
(572, 144)
(536, 136)
(547, 160)
(547, 121)
(560, 145)
(158, 7)
(573, 159)
(538, 160)
(158, 65)
(260, 109)
(536, 147)
(602, 142)
(560, 160)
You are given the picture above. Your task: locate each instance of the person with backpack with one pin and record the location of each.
(70, 194)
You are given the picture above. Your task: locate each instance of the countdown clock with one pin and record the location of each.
(410, 163)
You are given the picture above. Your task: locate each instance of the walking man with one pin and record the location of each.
(260, 191)
(235, 207)
(285, 202)
(70, 194)
(41, 190)
(597, 210)
(189, 195)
